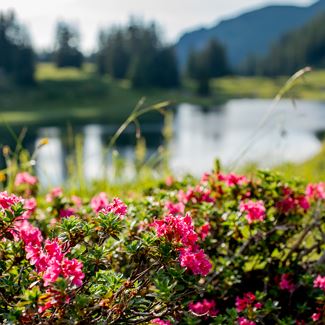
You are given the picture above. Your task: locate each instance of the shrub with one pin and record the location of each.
(222, 250)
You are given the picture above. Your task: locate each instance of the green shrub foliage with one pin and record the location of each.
(223, 250)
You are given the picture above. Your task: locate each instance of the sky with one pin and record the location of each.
(174, 16)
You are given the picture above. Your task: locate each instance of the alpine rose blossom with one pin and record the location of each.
(245, 321)
(316, 316)
(247, 300)
(319, 282)
(99, 202)
(196, 261)
(8, 200)
(254, 211)
(72, 269)
(117, 207)
(204, 231)
(56, 192)
(203, 308)
(286, 283)
(316, 191)
(161, 322)
(232, 179)
(175, 208)
(25, 178)
(176, 228)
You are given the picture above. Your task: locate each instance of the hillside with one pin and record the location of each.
(292, 52)
(251, 33)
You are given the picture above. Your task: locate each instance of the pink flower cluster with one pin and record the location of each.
(100, 203)
(248, 300)
(204, 308)
(25, 178)
(316, 191)
(117, 207)
(316, 316)
(180, 229)
(9, 200)
(245, 321)
(56, 192)
(232, 179)
(195, 259)
(195, 195)
(176, 228)
(319, 282)
(204, 231)
(161, 322)
(286, 283)
(49, 261)
(291, 201)
(254, 211)
(30, 206)
(175, 208)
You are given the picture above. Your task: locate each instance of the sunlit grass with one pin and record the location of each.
(48, 71)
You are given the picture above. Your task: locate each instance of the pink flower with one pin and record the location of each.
(8, 200)
(258, 305)
(204, 307)
(195, 260)
(232, 179)
(54, 193)
(99, 202)
(65, 213)
(169, 180)
(286, 283)
(316, 191)
(319, 282)
(72, 269)
(30, 205)
(316, 316)
(25, 178)
(52, 272)
(175, 208)
(37, 257)
(51, 263)
(30, 235)
(161, 322)
(53, 250)
(292, 201)
(76, 200)
(255, 211)
(176, 228)
(247, 300)
(204, 231)
(195, 195)
(117, 207)
(303, 202)
(205, 178)
(245, 321)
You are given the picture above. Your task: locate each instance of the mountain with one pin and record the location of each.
(293, 52)
(251, 33)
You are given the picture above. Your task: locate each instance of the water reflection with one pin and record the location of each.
(50, 164)
(201, 135)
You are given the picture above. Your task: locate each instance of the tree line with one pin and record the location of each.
(137, 52)
(295, 50)
(134, 51)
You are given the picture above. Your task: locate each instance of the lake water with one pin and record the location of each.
(290, 133)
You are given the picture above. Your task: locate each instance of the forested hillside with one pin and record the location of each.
(252, 33)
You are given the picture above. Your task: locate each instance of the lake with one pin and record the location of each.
(238, 132)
